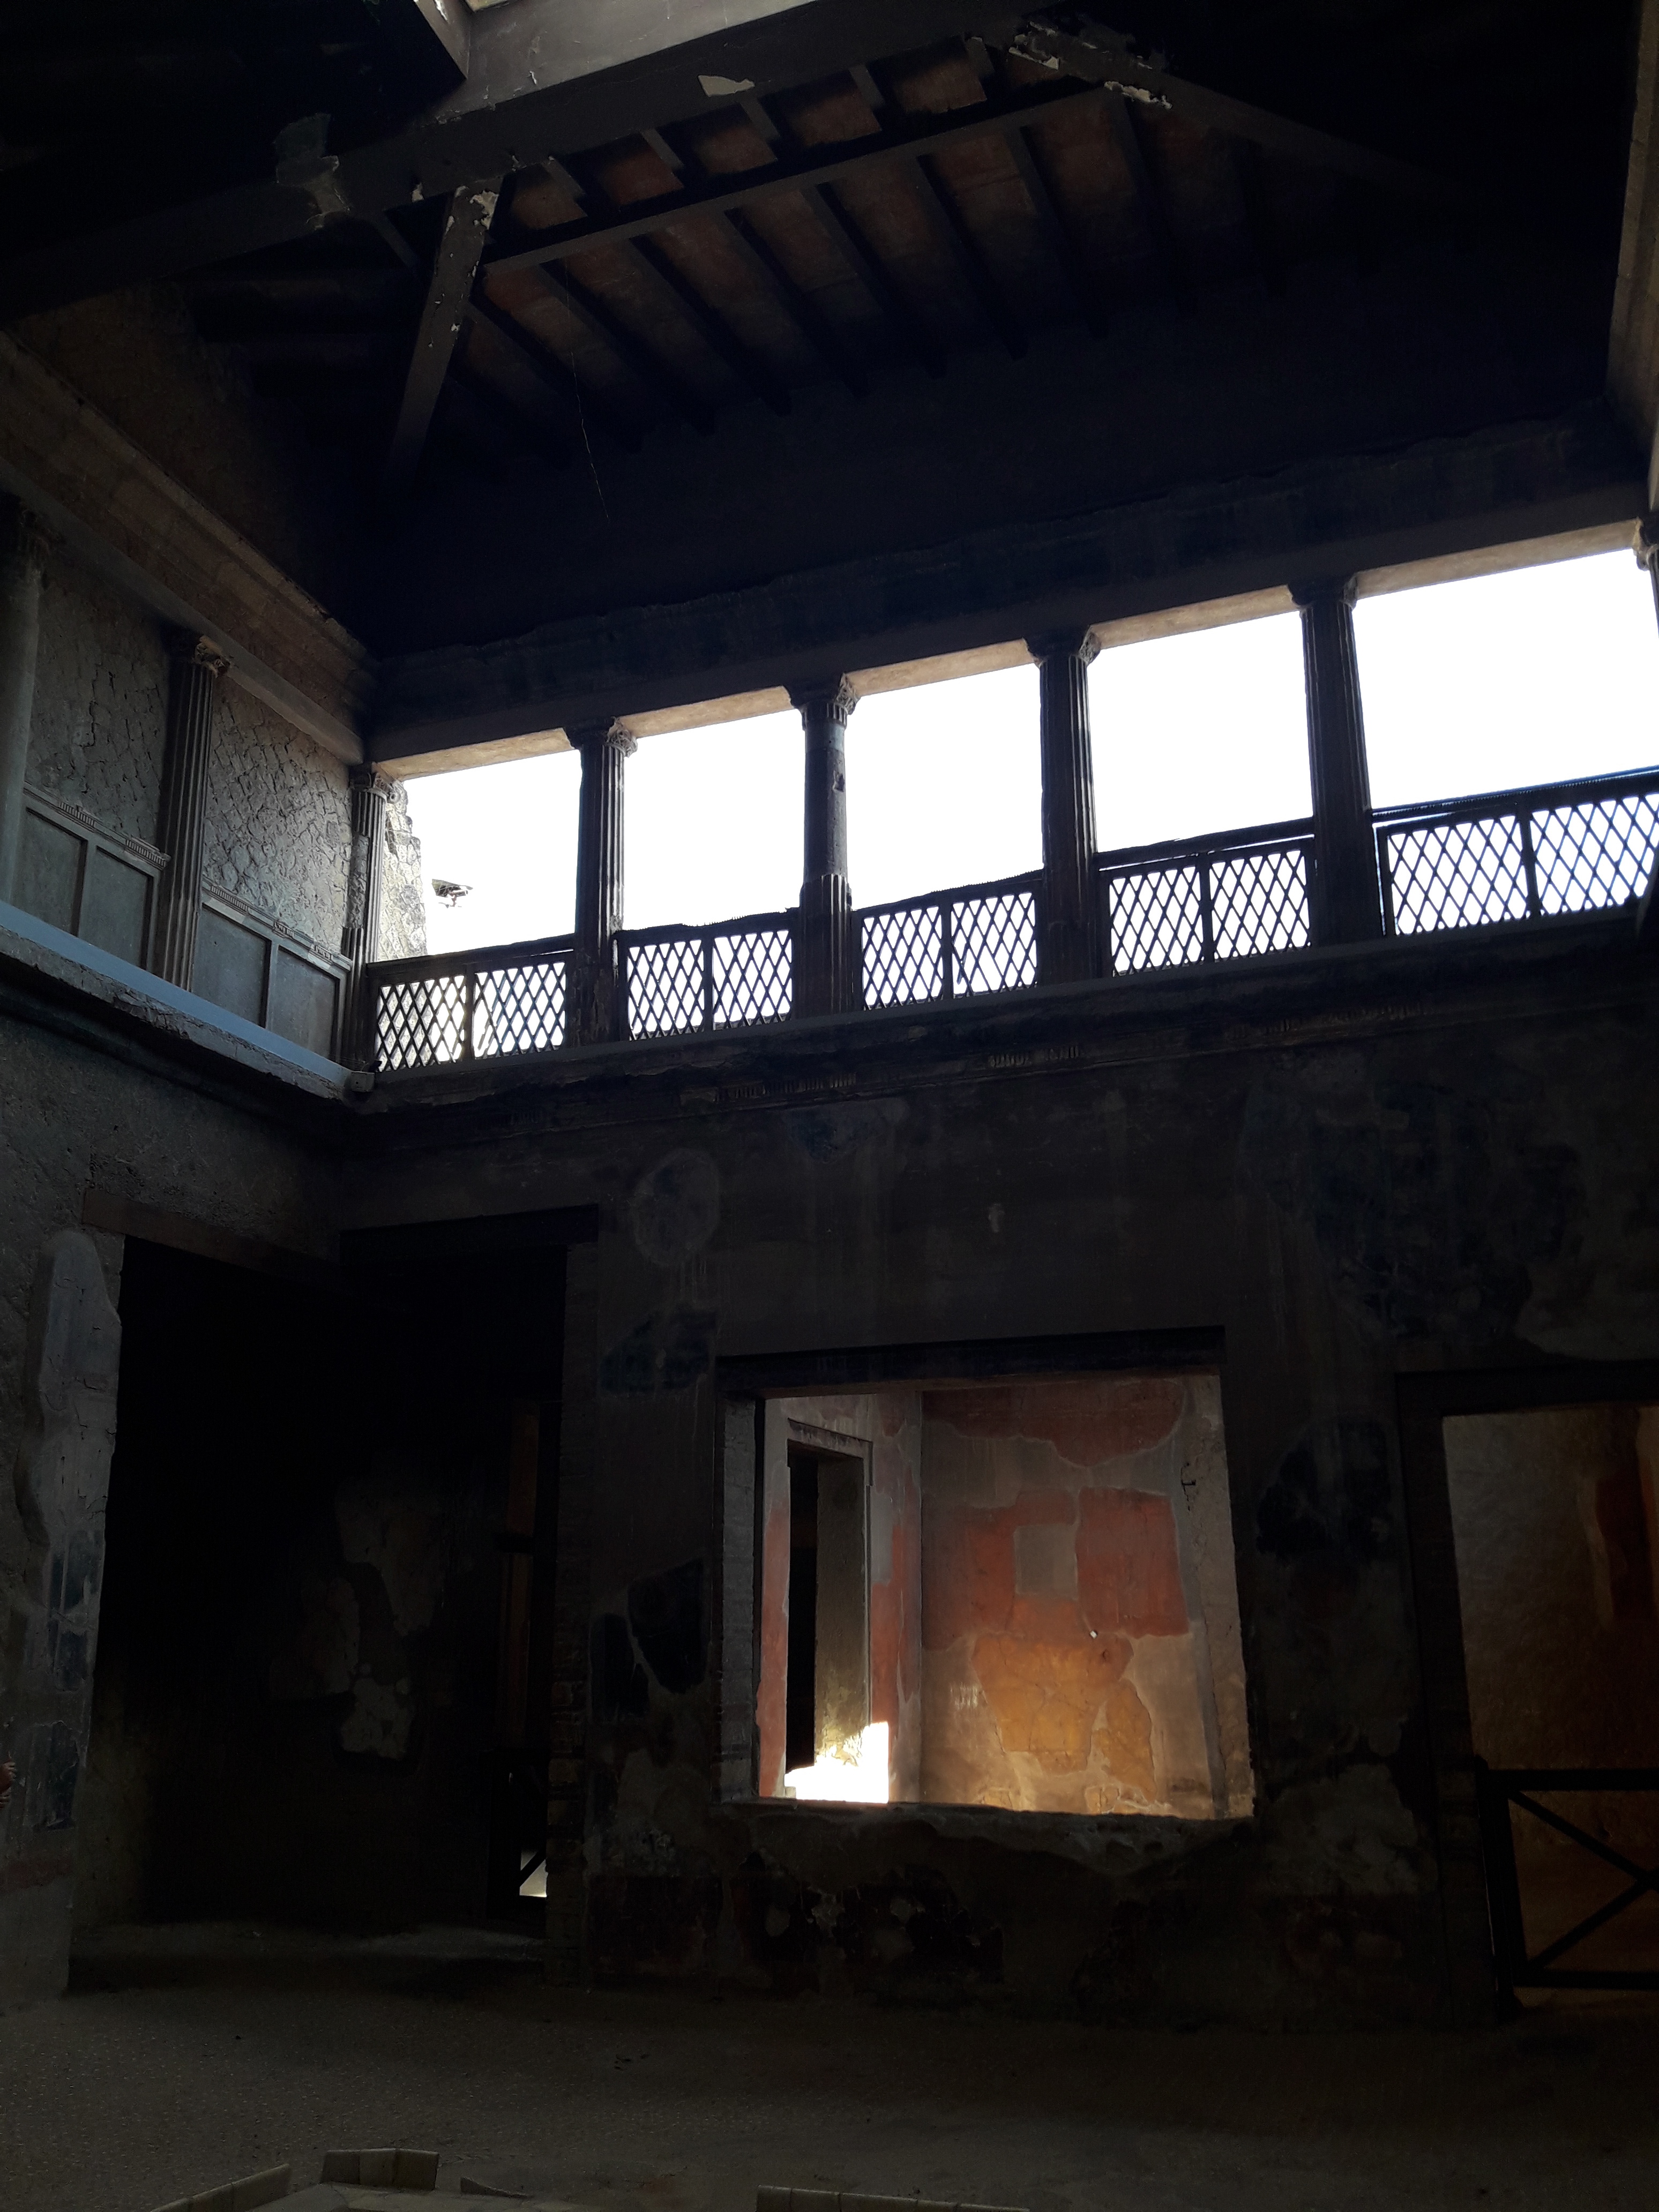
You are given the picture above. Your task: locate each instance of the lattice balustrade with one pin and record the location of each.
(1453, 875)
(1259, 902)
(753, 978)
(1222, 901)
(1156, 918)
(421, 1023)
(902, 955)
(995, 943)
(1595, 855)
(518, 1009)
(1565, 848)
(664, 987)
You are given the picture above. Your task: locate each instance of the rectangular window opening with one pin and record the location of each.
(1015, 1596)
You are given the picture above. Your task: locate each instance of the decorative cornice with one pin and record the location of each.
(82, 818)
(268, 925)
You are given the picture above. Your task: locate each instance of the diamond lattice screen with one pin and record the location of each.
(994, 943)
(1155, 920)
(1453, 875)
(1259, 903)
(1596, 855)
(754, 978)
(519, 1009)
(664, 988)
(902, 955)
(421, 1024)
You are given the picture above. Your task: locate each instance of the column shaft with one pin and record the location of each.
(360, 940)
(181, 822)
(1346, 897)
(591, 1015)
(827, 981)
(1067, 943)
(21, 552)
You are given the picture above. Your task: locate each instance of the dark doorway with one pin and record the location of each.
(800, 1724)
(327, 1601)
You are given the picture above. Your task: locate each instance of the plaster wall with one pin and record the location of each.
(1067, 1661)
(1398, 1173)
(100, 693)
(73, 1118)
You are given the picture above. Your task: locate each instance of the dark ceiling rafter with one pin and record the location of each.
(674, 289)
(560, 383)
(466, 221)
(945, 219)
(796, 168)
(1160, 236)
(1017, 136)
(762, 262)
(846, 236)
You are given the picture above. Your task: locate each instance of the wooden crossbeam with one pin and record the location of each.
(655, 375)
(945, 219)
(467, 217)
(797, 169)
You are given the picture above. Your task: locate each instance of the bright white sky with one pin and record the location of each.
(1528, 678)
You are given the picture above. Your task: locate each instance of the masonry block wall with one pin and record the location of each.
(278, 818)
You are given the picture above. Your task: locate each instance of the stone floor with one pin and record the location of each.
(187, 2057)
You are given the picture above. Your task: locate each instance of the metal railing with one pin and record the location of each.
(676, 980)
(446, 1009)
(1211, 898)
(951, 945)
(1519, 1967)
(1517, 856)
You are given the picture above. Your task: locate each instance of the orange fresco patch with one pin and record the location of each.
(1128, 1571)
(969, 1583)
(1123, 1740)
(1045, 1696)
(1086, 1422)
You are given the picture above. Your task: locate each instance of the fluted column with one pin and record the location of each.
(360, 940)
(1066, 946)
(180, 828)
(22, 552)
(827, 981)
(1347, 900)
(590, 997)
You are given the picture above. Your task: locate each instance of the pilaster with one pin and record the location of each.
(360, 939)
(22, 554)
(181, 822)
(1344, 893)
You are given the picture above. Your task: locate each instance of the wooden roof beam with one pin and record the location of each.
(467, 218)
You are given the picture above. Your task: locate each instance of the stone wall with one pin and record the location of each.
(101, 692)
(278, 818)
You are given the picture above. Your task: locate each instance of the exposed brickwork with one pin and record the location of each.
(100, 703)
